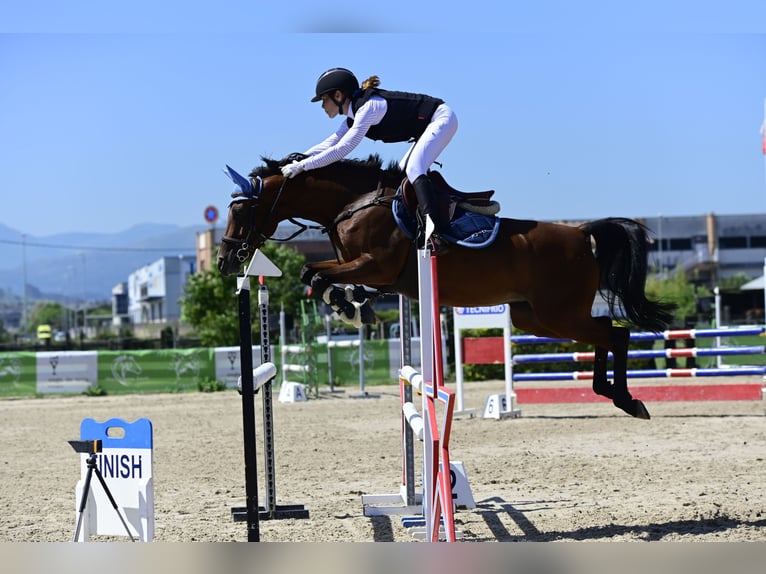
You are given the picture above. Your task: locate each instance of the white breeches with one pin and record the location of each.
(424, 152)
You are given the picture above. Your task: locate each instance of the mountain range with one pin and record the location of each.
(80, 266)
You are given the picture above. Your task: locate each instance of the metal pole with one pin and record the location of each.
(717, 303)
(24, 278)
(361, 332)
(764, 289)
(283, 341)
(405, 360)
(248, 413)
(268, 413)
(84, 295)
(328, 332)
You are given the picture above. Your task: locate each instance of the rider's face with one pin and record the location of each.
(329, 106)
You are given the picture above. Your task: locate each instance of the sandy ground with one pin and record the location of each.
(586, 472)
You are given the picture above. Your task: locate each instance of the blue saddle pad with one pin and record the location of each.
(467, 228)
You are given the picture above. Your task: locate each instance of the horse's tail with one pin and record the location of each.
(621, 253)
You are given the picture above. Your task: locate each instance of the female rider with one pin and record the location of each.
(387, 116)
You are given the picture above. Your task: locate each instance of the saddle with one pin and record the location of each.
(450, 198)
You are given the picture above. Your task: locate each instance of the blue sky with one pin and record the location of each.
(115, 115)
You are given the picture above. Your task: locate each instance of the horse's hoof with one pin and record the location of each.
(634, 408)
(640, 411)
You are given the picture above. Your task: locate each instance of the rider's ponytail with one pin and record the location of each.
(371, 82)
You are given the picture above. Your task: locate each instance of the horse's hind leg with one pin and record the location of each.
(600, 332)
(621, 395)
(601, 384)
(524, 317)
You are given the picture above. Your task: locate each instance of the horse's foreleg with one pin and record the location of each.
(621, 395)
(364, 270)
(362, 300)
(336, 298)
(311, 269)
(354, 306)
(343, 302)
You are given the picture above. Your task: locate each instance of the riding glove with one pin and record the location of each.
(292, 169)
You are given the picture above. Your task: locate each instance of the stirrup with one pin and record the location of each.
(439, 245)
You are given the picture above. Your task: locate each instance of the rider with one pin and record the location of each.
(390, 117)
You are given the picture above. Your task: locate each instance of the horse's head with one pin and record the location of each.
(249, 225)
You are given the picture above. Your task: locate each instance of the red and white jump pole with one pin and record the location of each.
(437, 485)
(432, 428)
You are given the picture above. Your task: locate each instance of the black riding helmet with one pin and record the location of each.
(336, 79)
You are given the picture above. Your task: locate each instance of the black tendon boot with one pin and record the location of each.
(428, 205)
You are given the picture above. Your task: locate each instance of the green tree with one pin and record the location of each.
(677, 289)
(734, 282)
(45, 313)
(210, 305)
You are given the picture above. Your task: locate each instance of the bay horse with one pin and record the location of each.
(548, 273)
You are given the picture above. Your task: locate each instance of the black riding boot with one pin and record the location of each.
(428, 205)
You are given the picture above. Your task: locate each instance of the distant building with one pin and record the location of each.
(154, 291)
(207, 248)
(120, 305)
(709, 247)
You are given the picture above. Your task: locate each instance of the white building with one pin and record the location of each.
(709, 247)
(154, 291)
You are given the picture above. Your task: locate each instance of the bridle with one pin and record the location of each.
(242, 246)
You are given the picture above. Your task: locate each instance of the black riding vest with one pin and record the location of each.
(406, 117)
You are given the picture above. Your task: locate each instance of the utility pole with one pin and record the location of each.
(84, 296)
(23, 324)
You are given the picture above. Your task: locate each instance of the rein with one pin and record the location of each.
(302, 227)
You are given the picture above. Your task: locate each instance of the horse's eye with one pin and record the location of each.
(239, 212)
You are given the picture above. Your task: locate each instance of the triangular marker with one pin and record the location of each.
(262, 265)
(259, 265)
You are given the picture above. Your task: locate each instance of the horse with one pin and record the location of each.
(548, 273)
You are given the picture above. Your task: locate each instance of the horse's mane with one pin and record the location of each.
(373, 162)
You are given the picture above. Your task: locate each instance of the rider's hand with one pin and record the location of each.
(292, 169)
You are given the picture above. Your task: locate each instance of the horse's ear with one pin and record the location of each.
(244, 187)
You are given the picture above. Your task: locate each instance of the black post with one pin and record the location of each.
(248, 413)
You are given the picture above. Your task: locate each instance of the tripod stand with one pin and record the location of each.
(93, 447)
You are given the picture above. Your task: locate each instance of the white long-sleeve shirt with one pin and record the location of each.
(341, 143)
